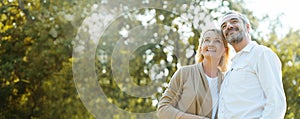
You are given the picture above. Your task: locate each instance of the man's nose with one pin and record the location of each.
(229, 25)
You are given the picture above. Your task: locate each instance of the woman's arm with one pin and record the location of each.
(167, 103)
(166, 106)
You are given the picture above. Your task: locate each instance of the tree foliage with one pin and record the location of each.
(143, 46)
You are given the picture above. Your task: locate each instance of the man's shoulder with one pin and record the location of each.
(263, 49)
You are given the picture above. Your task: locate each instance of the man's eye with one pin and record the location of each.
(223, 27)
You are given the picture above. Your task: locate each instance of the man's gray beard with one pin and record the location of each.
(236, 38)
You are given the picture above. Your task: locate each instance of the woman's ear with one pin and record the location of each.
(226, 48)
(199, 48)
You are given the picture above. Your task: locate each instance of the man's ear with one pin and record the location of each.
(248, 27)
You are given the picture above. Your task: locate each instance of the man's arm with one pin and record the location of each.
(270, 77)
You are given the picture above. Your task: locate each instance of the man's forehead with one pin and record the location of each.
(228, 17)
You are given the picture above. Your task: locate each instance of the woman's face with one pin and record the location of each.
(212, 45)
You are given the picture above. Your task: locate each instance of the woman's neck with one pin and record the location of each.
(210, 68)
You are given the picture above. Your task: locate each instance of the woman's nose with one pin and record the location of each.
(211, 43)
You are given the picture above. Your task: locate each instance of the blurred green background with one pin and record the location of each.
(37, 39)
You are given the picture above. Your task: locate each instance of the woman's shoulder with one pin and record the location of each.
(191, 66)
(189, 70)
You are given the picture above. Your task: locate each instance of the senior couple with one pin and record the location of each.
(250, 89)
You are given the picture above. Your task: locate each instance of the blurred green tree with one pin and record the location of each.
(36, 39)
(36, 56)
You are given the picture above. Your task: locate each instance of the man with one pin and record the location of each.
(252, 87)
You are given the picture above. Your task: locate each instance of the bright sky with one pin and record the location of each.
(275, 7)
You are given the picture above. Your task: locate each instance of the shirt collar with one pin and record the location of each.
(249, 46)
(246, 49)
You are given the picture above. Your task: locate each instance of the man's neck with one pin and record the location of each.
(239, 46)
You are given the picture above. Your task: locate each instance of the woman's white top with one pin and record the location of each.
(213, 86)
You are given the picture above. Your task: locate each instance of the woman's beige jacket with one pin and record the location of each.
(188, 92)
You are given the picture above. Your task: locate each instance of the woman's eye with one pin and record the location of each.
(216, 41)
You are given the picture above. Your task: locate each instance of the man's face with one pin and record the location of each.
(233, 28)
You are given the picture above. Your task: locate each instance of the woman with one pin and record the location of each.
(193, 90)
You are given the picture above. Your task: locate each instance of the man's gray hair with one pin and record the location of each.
(241, 16)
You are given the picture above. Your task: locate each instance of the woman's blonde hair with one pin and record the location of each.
(224, 59)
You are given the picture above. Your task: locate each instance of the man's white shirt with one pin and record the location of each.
(252, 88)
